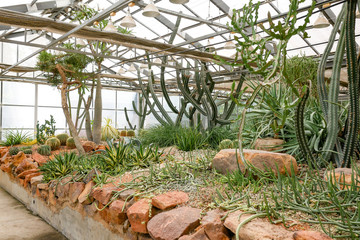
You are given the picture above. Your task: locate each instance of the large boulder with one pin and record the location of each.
(343, 177)
(89, 146)
(256, 229)
(225, 161)
(173, 224)
(269, 144)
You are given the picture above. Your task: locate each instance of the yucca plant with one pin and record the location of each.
(115, 157)
(60, 166)
(108, 132)
(15, 137)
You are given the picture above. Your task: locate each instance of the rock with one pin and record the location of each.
(40, 159)
(173, 224)
(5, 158)
(36, 180)
(104, 212)
(43, 186)
(51, 198)
(75, 190)
(139, 215)
(310, 235)
(18, 158)
(62, 188)
(90, 209)
(213, 226)
(131, 235)
(85, 197)
(170, 199)
(103, 194)
(27, 172)
(29, 177)
(100, 147)
(89, 146)
(268, 144)
(343, 177)
(124, 195)
(144, 237)
(199, 235)
(117, 212)
(225, 161)
(256, 229)
(90, 176)
(6, 167)
(26, 164)
(3, 151)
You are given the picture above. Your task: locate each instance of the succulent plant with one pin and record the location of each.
(44, 150)
(226, 143)
(27, 151)
(62, 137)
(123, 133)
(130, 133)
(70, 143)
(53, 142)
(14, 151)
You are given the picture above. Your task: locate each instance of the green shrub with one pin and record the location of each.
(15, 137)
(226, 143)
(14, 151)
(217, 134)
(163, 136)
(60, 166)
(62, 138)
(70, 143)
(53, 142)
(44, 150)
(189, 139)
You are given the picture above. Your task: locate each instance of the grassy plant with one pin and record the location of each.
(15, 137)
(163, 136)
(60, 166)
(189, 139)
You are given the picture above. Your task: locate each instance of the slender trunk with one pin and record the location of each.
(97, 110)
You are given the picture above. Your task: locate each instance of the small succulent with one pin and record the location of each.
(226, 143)
(14, 151)
(53, 142)
(44, 150)
(62, 137)
(130, 133)
(27, 151)
(70, 143)
(123, 133)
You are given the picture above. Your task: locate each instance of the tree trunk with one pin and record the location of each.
(97, 110)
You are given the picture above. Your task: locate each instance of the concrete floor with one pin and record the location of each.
(17, 222)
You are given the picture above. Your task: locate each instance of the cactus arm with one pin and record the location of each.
(136, 110)
(128, 120)
(332, 120)
(208, 101)
(181, 113)
(321, 87)
(299, 127)
(156, 100)
(151, 106)
(353, 76)
(233, 104)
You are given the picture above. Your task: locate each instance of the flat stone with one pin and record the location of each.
(43, 186)
(27, 172)
(36, 180)
(343, 178)
(199, 235)
(63, 187)
(40, 159)
(311, 235)
(139, 215)
(213, 226)
(75, 190)
(103, 194)
(225, 161)
(29, 177)
(256, 229)
(170, 199)
(26, 164)
(175, 223)
(85, 197)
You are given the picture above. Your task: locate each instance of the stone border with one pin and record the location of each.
(70, 223)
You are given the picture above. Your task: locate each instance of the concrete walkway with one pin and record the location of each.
(17, 222)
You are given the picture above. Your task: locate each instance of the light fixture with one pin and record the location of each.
(128, 21)
(110, 27)
(121, 71)
(132, 68)
(230, 44)
(80, 42)
(179, 1)
(209, 48)
(357, 14)
(151, 10)
(321, 21)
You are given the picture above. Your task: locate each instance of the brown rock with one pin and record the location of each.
(310, 235)
(18, 158)
(36, 180)
(225, 161)
(5, 155)
(139, 215)
(256, 229)
(173, 224)
(90, 209)
(3, 151)
(40, 159)
(51, 198)
(26, 164)
(170, 199)
(43, 186)
(29, 177)
(213, 226)
(85, 197)
(268, 144)
(27, 172)
(6, 167)
(131, 235)
(62, 188)
(125, 195)
(103, 194)
(104, 213)
(100, 147)
(343, 178)
(75, 190)
(199, 235)
(90, 176)
(89, 146)
(117, 212)
(144, 237)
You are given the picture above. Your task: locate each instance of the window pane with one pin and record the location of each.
(19, 93)
(108, 99)
(124, 99)
(121, 119)
(48, 96)
(18, 117)
(58, 114)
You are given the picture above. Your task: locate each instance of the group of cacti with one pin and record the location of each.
(54, 143)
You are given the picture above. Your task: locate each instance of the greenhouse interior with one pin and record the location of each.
(179, 119)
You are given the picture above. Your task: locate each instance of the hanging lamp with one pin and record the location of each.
(110, 27)
(132, 68)
(321, 21)
(121, 71)
(209, 48)
(179, 1)
(151, 10)
(230, 44)
(128, 21)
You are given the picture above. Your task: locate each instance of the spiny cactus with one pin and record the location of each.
(70, 143)
(14, 151)
(226, 143)
(62, 137)
(53, 142)
(27, 151)
(44, 150)
(130, 133)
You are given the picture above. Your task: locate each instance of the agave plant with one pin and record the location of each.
(60, 166)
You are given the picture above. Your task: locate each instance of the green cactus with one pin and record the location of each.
(14, 150)
(44, 150)
(54, 143)
(226, 143)
(130, 133)
(62, 137)
(27, 151)
(70, 143)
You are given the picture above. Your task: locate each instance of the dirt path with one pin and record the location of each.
(17, 222)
